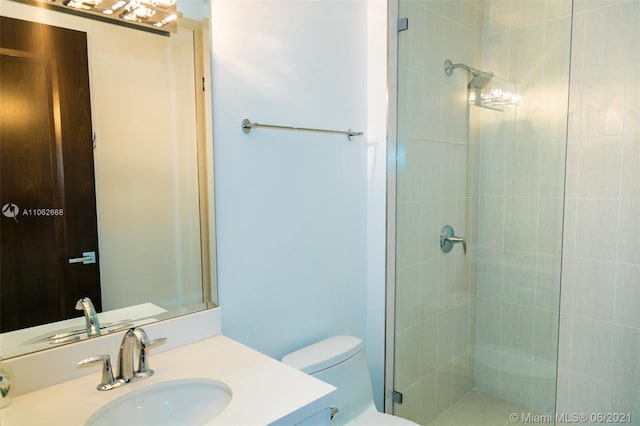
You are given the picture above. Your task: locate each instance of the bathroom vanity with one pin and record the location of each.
(50, 389)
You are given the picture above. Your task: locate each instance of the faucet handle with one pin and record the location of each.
(156, 342)
(143, 362)
(107, 382)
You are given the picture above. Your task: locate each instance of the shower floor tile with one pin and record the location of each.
(479, 409)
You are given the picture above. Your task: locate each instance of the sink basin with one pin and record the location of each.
(174, 402)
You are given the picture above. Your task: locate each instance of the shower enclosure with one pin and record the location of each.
(477, 199)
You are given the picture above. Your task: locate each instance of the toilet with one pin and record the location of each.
(341, 362)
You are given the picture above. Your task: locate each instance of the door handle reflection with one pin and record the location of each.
(87, 258)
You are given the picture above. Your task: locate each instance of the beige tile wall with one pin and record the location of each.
(519, 159)
(600, 322)
(510, 207)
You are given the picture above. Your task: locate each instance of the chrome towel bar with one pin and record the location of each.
(247, 125)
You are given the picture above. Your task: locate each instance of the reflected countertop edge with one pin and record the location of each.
(33, 339)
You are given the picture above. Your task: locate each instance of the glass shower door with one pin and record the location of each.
(479, 205)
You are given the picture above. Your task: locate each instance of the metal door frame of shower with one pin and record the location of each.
(392, 141)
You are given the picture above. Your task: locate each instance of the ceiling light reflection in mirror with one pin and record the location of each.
(155, 15)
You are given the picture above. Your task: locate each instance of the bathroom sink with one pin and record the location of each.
(175, 402)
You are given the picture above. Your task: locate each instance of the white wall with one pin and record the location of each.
(600, 314)
(376, 192)
(291, 207)
(143, 103)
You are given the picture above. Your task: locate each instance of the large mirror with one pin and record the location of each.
(145, 177)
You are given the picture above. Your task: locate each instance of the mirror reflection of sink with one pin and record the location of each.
(74, 333)
(174, 402)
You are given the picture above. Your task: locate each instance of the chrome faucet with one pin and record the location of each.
(134, 342)
(134, 339)
(90, 316)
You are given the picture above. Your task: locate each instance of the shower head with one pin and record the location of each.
(503, 94)
(480, 79)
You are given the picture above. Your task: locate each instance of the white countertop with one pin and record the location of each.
(264, 390)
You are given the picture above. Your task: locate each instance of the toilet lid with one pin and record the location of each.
(324, 354)
(374, 418)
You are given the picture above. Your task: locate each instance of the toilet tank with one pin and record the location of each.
(341, 362)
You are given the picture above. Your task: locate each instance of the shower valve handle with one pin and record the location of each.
(448, 238)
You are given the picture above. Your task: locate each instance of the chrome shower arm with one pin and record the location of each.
(450, 66)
